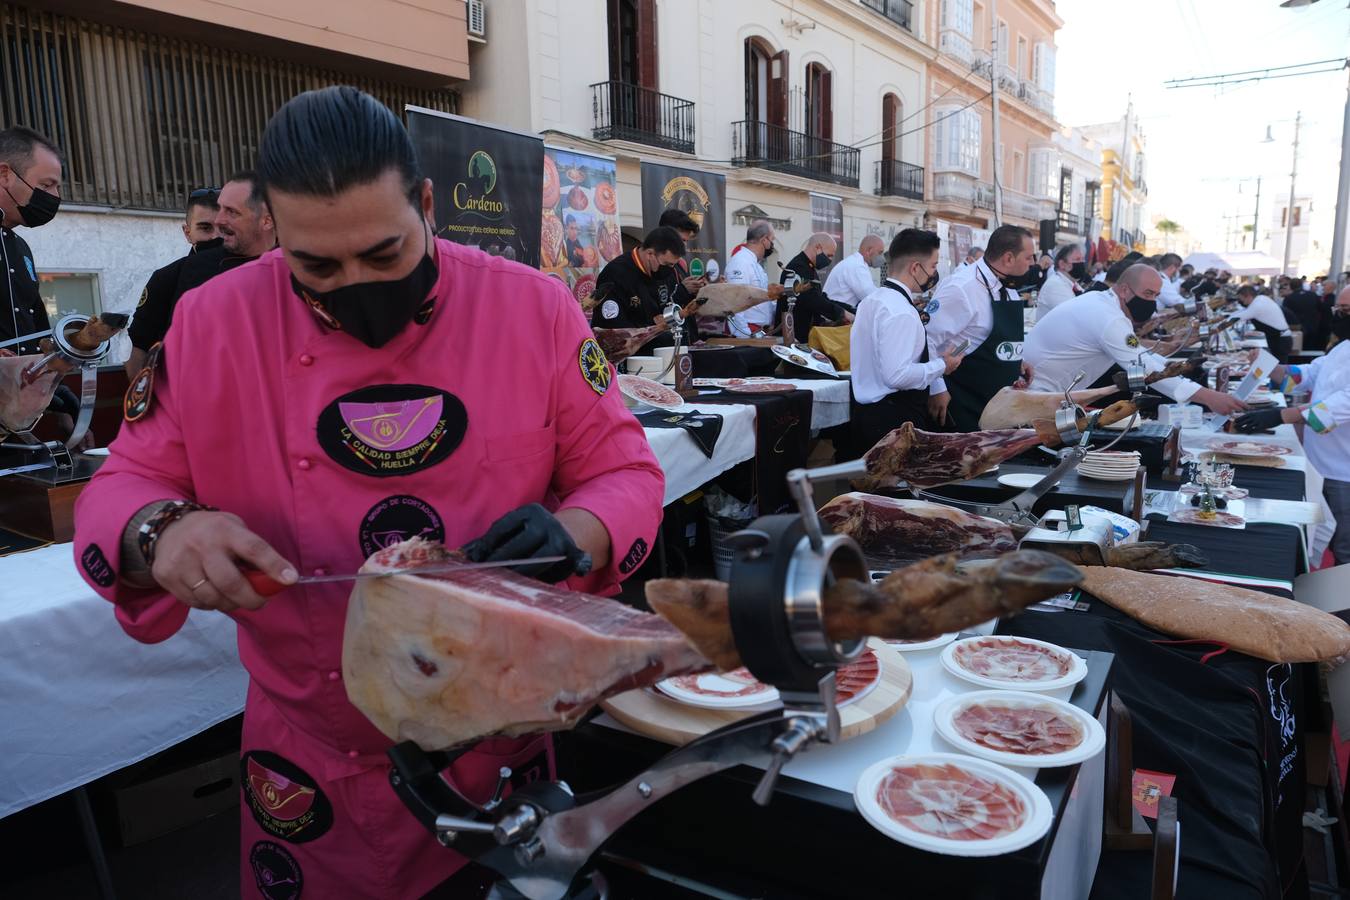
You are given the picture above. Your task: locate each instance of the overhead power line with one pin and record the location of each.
(1271, 73)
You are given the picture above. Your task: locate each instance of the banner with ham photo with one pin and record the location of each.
(486, 181)
(580, 221)
(703, 196)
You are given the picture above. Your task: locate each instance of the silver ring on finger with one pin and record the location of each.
(194, 587)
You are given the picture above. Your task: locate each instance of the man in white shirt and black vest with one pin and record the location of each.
(980, 304)
(892, 370)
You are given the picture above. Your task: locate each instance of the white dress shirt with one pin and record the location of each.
(1170, 294)
(885, 345)
(1057, 289)
(1266, 311)
(1089, 335)
(850, 281)
(964, 311)
(744, 268)
(1327, 446)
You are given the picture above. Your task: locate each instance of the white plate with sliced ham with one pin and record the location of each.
(936, 643)
(738, 689)
(1019, 729)
(643, 391)
(1013, 663)
(952, 804)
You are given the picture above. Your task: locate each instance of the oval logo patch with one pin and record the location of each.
(276, 871)
(398, 518)
(285, 801)
(392, 429)
(1008, 351)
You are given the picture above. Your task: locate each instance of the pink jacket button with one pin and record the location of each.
(304, 464)
(320, 572)
(334, 675)
(306, 359)
(352, 754)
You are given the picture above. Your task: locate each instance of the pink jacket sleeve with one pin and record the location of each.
(148, 463)
(604, 464)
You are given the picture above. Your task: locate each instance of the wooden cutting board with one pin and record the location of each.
(659, 717)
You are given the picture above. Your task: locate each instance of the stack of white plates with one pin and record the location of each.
(1110, 465)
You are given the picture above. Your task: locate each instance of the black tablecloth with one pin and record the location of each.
(14, 542)
(1271, 484)
(1261, 550)
(732, 362)
(782, 432)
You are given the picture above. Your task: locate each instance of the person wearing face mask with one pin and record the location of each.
(850, 278)
(746, 266)
(1169, 267)
(980, 305)
(362, 390)
(812, 306)
(30, 194)
(161, 290)
(1094, 332)
(888, 347)
(1062, 282)
(244, 231)
(632, 290)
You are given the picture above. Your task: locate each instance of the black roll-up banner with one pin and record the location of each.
(703, 196)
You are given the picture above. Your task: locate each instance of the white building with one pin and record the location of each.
(1079, 185)
(1309, 237)
(776, 96)
(1124, 186)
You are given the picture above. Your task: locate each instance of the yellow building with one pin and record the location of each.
(1124, 189)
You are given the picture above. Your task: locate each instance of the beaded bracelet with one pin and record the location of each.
(147, 536)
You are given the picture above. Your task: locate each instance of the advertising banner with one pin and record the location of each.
(580, 228)
(703, 196)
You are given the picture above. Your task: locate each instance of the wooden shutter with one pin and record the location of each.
(648, 67)
(826, 107)
(778, 90)
(615, 39)
(889, 115)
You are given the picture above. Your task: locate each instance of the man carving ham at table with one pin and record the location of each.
(347, 390)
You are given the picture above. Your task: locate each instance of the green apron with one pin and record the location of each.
(993, 365)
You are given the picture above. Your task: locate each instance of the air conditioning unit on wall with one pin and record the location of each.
(477, 18)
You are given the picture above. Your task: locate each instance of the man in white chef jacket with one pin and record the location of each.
(1328, 446)
(746, 266)
(851, 278)
(892, 369)
(1094, 332)
(1061, 284)
(1268, 318)
(1169, 267)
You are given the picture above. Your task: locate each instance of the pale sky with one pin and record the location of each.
(1200, 140)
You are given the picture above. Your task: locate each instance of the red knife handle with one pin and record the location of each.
(263, 584)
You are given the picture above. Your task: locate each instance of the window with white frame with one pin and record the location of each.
(956, 139)
(1003, 42)
(1044, 173)
(959, 15)
(1043, 66)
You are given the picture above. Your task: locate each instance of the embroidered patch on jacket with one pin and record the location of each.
(424, 312)
(392, 429)
(145, 295)
(594, 366)
(1132, 341)
(136, 402)
(284, 800)
(634, 557)
(398, 518)
(276, 872)
(96, 566)
(1319, 418)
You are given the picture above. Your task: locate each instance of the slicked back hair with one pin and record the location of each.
(1007, 239)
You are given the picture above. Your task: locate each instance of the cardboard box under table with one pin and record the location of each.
(810, 841)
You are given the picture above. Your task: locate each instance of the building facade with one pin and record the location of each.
(1014, 46)
(152, 99)
(1308, 226)
(784, 99)
(1124, 187)
(1078, 164)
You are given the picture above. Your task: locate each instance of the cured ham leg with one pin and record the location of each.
(897, 532)
(1173, 369)
(1013, 408)
(724, 299)
(916, 603)
(621, 343)
(927, 459)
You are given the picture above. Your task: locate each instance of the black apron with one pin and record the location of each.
(990, 367)
(1278, 344)
(870, 422)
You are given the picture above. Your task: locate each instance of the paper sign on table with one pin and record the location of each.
(1147, 788)
(1256, 376)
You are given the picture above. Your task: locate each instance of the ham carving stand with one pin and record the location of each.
(27, 384)
(541, 837)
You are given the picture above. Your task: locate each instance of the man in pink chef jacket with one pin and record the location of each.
(353, 388)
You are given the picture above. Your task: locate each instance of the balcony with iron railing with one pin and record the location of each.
(1007, 79)
(953, 188)
(984, 195)
(766, 146)
(899, 179)
(628, 112)
(1070, 223)
(1036, 97)
(1130, 238)
(901, 12)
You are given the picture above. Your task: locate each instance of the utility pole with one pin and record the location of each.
(1289, 212)
(993, 97)
(1256, 213)
(1342, 197)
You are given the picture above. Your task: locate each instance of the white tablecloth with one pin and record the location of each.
(80, 699)
(683, 462)
(829, 400)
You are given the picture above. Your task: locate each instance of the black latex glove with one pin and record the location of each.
(1260, 420)
(528, 532)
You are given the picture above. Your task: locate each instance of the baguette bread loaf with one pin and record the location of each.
(1258, 624)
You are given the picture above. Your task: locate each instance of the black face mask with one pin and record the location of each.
(821, 261)
(1141, 310)
(374, 312)
(41, 207)
(1012, 282)
(1078, 271)
(771, 251)
(930, 282)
